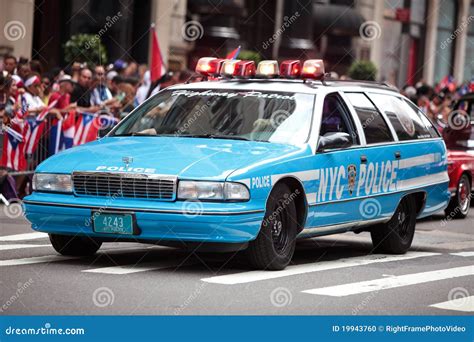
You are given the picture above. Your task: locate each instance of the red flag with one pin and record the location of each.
(233, 54)
(157, 69)
(13, 153)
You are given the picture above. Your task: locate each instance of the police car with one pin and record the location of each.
(251, 158)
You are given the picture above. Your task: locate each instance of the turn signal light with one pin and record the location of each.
(313, 68)
(267, 69)
(290, 69)
(209, 66)
(244, 69)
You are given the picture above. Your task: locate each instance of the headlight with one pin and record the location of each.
(212, 191)
(52, 182)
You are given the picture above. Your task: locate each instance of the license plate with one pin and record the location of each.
(113, 223)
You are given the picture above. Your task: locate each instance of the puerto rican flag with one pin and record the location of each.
(233, 54)
(35, 128)
(23, 110)
(13, 153)
(87, 128)
(447, 82)
(62, 134)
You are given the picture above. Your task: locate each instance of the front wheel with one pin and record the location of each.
(461, 202)
(74, 245)
(275, 244)
(396, 236)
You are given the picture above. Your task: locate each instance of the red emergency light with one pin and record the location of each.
(244, 69)
(290, 69)
(209, 66)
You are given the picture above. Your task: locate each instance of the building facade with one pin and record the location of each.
(408, 40)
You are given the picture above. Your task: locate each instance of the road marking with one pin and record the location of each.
(144, 267)
(247, 277)
(34, 260)
(392, 282)
(19, 246)
(463, 254)
(465, 304)
(27, 236)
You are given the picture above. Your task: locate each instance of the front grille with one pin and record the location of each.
(124, 185)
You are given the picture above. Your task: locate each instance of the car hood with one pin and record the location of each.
(191, 158)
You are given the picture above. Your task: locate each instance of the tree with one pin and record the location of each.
(86, 48)
(249, 55)
(363, 70)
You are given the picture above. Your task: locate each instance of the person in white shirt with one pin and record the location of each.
(33, 95)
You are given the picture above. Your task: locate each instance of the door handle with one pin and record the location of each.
(363, 159)
(398, 155)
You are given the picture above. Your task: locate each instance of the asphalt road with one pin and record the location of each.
(335, 275)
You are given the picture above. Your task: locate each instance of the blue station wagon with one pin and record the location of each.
(249, 158)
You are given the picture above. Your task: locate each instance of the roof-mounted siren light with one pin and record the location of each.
(267, 69)
(313, 69)
(244, 69)
(290, 68)
(228, 67)
(209, 66)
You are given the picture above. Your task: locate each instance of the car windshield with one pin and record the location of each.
(280, 117)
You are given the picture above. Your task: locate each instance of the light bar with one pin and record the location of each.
(267, 69)
(209, 66)
(228, 67)
(290, 69)
(313, 68)
(244, 69)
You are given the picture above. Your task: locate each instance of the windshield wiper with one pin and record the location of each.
(212, 136)
(134, 134)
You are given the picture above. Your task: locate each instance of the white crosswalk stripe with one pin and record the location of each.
(21, 237)
(19, 246)
(465, 304)
(247, 277)
(140, 267)
(392, 282)
(34, 260)
(463, 254)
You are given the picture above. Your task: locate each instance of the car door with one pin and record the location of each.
(336, 169)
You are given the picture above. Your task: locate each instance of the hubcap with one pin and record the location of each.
(403, 222)
(278, 229)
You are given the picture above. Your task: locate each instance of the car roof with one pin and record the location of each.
(285, 85)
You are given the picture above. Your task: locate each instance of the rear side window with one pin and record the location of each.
(375, 128)
(406, 119)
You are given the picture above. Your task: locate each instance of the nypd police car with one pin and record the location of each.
(251, 158)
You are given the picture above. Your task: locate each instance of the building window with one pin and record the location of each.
(444, 41)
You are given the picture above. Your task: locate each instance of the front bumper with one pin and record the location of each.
(172, 221)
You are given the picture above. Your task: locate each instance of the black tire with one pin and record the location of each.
(461, 202)
(396, 236)
(74, 245)
(275, 244)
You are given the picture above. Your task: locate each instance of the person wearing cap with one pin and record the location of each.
(33, 95)
(63, 96)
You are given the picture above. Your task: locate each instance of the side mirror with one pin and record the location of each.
(334, 140)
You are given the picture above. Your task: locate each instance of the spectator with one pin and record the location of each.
(47, 86)
(81, 95)
(63, 95)
(36, 67)
(101, 95)
(33, 95)
(24, 70)
(9, 64)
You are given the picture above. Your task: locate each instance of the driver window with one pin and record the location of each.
(336, 118)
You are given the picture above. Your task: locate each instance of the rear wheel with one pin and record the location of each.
(461, 202)
(396, 236)
(275, 244)
(74, 245)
